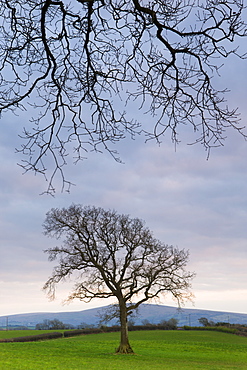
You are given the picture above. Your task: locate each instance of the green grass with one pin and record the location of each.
(170, 350)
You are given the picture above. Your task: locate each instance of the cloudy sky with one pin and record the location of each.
(187, 200)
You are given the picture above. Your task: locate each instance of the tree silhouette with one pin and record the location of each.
(112, 255)
(75, 65)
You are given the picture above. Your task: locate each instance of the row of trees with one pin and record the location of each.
(209, 323)
(56, 324)
(240, 329)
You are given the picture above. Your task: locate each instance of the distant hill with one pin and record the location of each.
(150, 312)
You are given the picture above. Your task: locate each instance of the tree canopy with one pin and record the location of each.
(77, 65)
(113, 255)
(54, 324)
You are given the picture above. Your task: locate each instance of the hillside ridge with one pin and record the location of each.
(152, 313)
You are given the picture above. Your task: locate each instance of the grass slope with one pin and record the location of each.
(170, 350)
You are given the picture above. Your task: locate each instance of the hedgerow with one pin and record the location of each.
(72, 333)
(34, 338)
(212, 328)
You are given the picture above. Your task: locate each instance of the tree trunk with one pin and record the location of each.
(124, 346)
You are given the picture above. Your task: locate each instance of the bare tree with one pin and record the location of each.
(112, 255)
(79, 62)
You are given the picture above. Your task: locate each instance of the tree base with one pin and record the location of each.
(124, 349)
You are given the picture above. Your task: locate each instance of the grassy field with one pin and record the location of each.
(172, 350)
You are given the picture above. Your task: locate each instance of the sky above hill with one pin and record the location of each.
(185, 199)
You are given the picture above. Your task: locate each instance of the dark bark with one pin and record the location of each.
(124, 346)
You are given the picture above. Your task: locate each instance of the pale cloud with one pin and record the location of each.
(187, 201)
